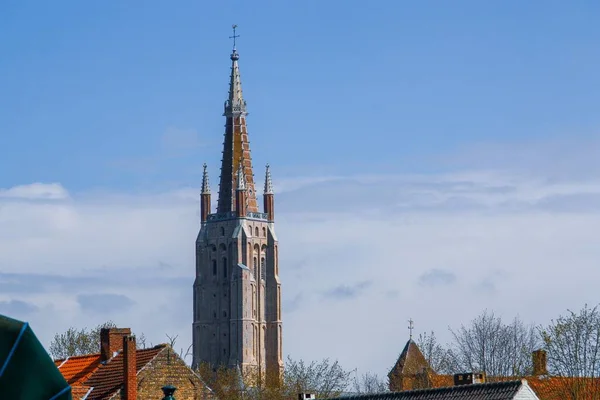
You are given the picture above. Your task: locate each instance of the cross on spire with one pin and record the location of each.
(234, 35)
(410, 327)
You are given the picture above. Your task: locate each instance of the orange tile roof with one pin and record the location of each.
(85, 372)
(562, 388)
(108, 378)
(77, 369)
(545, 387)
(79, 391)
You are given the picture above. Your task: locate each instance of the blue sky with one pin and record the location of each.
(422, 153)
(89, 90)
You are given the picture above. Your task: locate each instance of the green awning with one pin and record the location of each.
(26, 370)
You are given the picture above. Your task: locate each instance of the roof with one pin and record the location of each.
(26, 369)
(562, 388)
(411, 360)
(80, 392)
(108, 378)
(77, 369)
(482, 391)
(88, 372)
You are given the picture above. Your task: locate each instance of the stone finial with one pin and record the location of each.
(205, 182)
(168, 391)
(268, 181)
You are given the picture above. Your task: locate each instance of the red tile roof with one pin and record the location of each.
(85, 372)
(108, 378)
(80, 391)
(545, 387)
(77, 369)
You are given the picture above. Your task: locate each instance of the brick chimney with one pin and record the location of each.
(111, 341)
(540, 366)
(129, 369)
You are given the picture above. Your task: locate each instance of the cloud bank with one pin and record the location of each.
(360, 255)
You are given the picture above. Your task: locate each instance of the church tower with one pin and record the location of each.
(237, 292)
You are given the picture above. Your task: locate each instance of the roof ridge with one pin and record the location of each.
(78, 356)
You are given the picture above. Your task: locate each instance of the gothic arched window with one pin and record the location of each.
(214, 265)
(263, 272)
(265, 232)
(255, 267)
(256, 232)
(224, 267)
(222, 231)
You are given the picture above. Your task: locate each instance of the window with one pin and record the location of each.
(214, 263)
(263, 272)
(224, 313)
(265, 232)
(222, 231)
(250, 230)
(256, 232)
(255, 267)
(214, 316)
(224, 267)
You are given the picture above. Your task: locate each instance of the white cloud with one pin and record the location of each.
(36, 191)
(351, 275)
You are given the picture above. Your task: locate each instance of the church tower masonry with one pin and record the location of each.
(237, 292)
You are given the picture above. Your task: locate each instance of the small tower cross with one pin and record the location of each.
(234, 35)
(410, 327)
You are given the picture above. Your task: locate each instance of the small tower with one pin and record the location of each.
(204, 197)
(269, 201)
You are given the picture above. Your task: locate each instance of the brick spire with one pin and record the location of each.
(236, 146)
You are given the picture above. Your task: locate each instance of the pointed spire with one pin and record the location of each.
(268, 181)
(241, 178)
(235, 105)
(205, 182)
(236, 145)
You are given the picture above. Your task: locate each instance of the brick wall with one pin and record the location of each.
(168, 369)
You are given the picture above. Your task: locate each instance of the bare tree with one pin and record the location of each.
(572, 343)
(182, 354)
(369, 383)
(326, 379)
(76, 342)
(439, 357)
(489, 345)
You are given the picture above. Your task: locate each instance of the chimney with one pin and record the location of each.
(111, 341)
(540, 366)
(129, 368)
(468, 378)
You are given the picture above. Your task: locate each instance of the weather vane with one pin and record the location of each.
(234, 35)
(410, 327)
